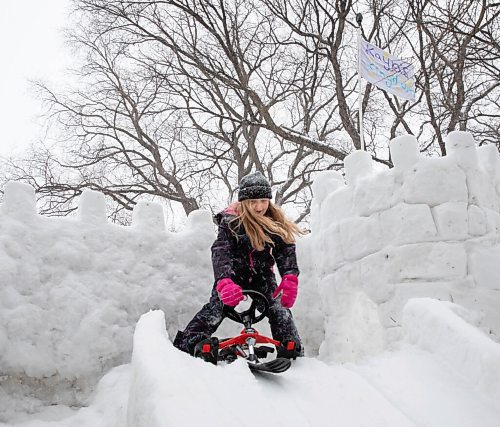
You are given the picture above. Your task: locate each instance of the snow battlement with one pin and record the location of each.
(428, 227)
(66, 280)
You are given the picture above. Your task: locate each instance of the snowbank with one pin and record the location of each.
(166, 385)
(162, 374)
(443, 329)
(445, 373)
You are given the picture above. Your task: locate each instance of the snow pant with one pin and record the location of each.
(208, 319)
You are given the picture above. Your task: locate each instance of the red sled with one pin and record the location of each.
(249, 344)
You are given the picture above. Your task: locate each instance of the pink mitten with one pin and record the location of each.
(289, 288)
(229, 292)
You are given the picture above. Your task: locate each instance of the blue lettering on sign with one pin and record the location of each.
(391, 81)
(399, 66)
(385, 71)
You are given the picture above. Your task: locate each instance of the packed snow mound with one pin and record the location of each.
(224, 395)
(167, 383)
(442, 328)
(438, 375)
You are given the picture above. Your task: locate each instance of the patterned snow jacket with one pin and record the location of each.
(234, 257)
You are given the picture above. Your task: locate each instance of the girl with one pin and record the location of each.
(253, 235)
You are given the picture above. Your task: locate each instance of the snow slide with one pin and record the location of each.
(169, 388)
(444, 373)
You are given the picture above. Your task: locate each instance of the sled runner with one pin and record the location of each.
(249, 345)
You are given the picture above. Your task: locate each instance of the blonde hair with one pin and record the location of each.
(259, 227)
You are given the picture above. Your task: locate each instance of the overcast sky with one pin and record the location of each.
(32, 47)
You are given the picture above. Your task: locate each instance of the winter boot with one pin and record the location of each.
(208, 350)
(290, 349)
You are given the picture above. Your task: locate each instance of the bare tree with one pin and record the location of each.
(179, 101)
(181, 98)
(457, 50)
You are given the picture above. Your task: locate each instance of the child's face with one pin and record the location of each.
(259, 206)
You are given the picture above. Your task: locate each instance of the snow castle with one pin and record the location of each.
(73, 289)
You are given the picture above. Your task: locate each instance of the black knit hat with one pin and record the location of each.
(254, 186)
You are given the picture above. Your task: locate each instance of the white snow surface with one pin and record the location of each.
(398, 307)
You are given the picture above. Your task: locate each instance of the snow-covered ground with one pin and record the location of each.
(399, 308)
(413, 385)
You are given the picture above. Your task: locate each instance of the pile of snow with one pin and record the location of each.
(443, 329)
(460, 387)
(444, 372)
(224, 393)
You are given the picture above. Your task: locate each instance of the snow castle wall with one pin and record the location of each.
(429, 227)
(73, 289)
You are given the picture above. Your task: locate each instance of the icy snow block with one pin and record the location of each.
(481, 190)
(391, 312)
(489, 161)
(451, 220)
(434, 261)
(492, 221)
(435, 327)
(19, 200)
(200, 220)
(92, 207)
(483, 266)
(326, 182)
(347, 275)
(336, 206)
(148, 215)
(476, 219)
(378, 273)
(360, 236)
(376, 193)
(461, 147)
(356, 165)
(328, 254)
(353, 330)
(435, 181)
(406, 223)
(404, 151)
(459, 140)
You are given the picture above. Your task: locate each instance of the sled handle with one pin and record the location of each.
(248, 317)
